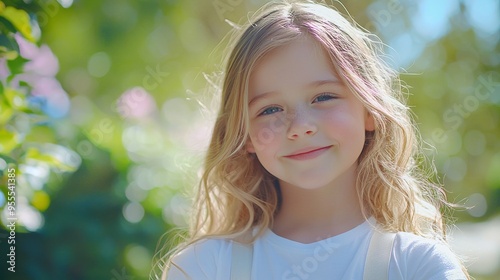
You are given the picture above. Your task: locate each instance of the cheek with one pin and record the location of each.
(344, 123)
(265, 132)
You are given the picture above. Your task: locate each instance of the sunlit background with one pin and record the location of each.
(107, 121)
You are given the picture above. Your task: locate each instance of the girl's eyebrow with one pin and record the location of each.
(310, 85)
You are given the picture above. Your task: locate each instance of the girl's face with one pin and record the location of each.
(306, 127)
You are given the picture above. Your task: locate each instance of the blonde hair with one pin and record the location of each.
(236, 193)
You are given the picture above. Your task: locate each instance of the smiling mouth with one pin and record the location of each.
(309, 154)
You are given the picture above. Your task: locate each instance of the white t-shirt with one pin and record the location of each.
(338, 257)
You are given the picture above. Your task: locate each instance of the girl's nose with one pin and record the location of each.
(301, 124)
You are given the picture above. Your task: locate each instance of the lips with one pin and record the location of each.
(308, 153)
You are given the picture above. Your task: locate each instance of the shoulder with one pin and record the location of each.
(200, 260)
(417, 257)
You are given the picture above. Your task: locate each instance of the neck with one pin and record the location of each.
(310, 215)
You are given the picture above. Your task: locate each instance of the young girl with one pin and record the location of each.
(313, 152)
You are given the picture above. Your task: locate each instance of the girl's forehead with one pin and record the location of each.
(296, 64)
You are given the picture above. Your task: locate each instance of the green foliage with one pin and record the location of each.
(18, 115)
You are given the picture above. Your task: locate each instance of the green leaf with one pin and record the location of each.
(8, 141)
(8, 159)
(16, 66)
(16, 99)
(24, 84)
(7, 25)
(8, 47)
(5, 111)
(54, 159)
(20, 20)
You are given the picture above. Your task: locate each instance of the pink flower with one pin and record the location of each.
(42, 60)
(47, 93)
(136, 103)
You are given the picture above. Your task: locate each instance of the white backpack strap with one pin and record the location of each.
(241, 262)
(379, 255)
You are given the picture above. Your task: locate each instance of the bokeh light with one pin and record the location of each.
(99, 64)
(133, 212)
(477, 205)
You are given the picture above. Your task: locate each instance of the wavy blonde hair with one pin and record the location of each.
(236, 193)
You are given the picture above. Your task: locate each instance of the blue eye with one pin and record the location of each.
(270, 110)
(325, 97)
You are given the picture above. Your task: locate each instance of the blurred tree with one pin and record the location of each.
(30, 101)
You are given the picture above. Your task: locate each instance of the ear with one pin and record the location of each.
(249, 146)
(369, 122)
